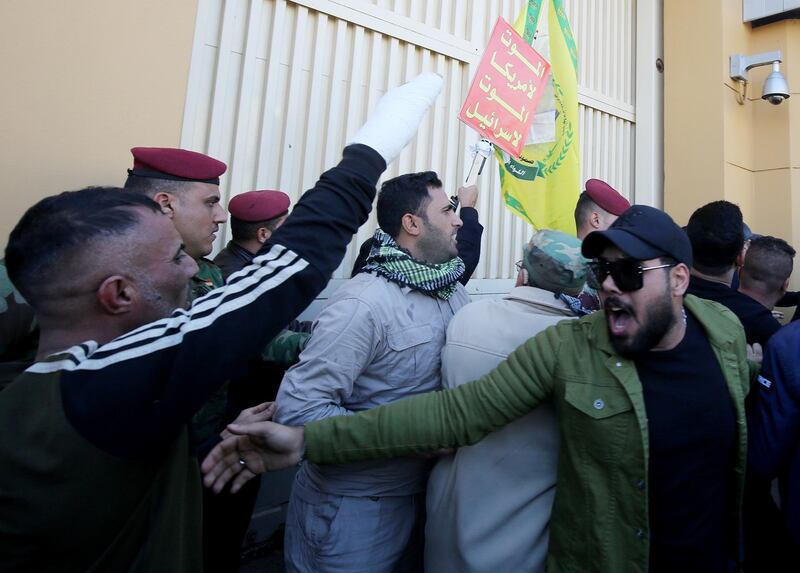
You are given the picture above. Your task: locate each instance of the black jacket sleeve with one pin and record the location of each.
(131, 396)
(791, 298)
(468, 239)
(361, 259)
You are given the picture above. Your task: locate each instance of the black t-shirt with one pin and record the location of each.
(692, 429)
(758, 322)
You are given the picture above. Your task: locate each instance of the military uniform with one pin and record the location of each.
(208, 278)
(232, 258)
(18, 332)
(283, 351)
(227, 517)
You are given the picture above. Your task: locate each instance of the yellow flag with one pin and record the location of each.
(543, 185)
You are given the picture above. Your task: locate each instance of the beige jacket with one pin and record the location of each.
(489, 504)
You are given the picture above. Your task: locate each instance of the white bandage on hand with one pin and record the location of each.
(396, 118)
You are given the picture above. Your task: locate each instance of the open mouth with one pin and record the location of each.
(619, 316)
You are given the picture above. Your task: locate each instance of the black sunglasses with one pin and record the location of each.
(628, 274)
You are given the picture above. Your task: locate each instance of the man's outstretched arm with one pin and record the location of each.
(417, 425)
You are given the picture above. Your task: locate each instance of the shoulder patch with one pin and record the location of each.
(764, 382)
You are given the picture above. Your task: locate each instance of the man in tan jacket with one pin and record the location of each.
(485, 514)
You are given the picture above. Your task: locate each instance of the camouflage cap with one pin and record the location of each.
(554, 262)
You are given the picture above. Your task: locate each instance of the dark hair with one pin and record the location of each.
(667, 260)
(246, 230)
(60, 224)
(715, 231)
(401, 195)
(584, 208)
(768, 262)
(151, 185)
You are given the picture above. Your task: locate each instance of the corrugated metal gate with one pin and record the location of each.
(277, 86)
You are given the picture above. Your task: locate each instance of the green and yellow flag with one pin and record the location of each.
(543, 185)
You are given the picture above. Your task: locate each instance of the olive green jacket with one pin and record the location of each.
(600, 515)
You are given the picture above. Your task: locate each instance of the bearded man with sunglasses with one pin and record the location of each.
(650, 396)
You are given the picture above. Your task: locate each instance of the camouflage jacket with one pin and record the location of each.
(18, 332)
(208, 278)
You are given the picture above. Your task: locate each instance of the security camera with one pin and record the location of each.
(775, 87)
(775, 99)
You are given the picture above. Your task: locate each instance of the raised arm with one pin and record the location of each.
(469, 235)
(132, 395)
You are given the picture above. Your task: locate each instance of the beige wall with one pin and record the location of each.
(83, 82)
(715, 148)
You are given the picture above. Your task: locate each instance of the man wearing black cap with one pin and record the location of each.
(650, 394)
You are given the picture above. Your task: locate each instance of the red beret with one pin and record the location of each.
(606, 197)
(259, 205)
(176, 165)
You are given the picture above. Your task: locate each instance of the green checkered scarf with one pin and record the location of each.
(390, 261)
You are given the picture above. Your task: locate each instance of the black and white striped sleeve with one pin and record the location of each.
(131, 396)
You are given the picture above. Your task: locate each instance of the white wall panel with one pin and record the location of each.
(277, 86)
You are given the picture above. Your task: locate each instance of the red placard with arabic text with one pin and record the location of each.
(506, 89)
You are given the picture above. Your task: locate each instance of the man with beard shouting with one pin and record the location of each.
(650, 398)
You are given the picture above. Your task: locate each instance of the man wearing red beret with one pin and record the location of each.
(598, 206)
(186, 186)
(255, 215)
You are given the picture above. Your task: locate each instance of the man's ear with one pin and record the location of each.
(679, 279)
(411, 224)
(165, 201)
(594, 220)
(116, 295)
(785, 287)
(262, 235)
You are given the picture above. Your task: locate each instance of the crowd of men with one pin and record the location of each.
(610, 413)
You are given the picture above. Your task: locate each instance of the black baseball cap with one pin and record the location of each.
(642, 233)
